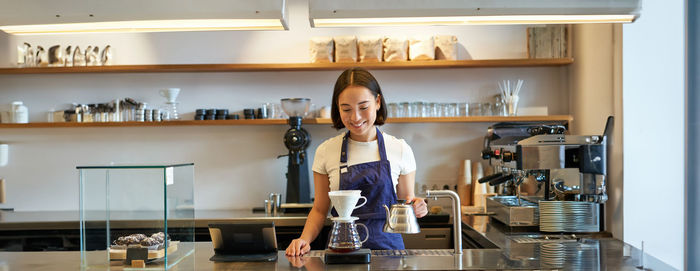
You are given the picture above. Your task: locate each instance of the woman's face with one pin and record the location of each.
(358, 109)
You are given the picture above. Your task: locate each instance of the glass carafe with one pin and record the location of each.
(344, 236)
(171, 111)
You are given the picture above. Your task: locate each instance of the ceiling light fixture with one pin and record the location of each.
(57, 17)
(339, 13)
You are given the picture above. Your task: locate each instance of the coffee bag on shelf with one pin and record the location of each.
(395, 49)
(421, 48)
(345, 49)
(321, 49)
(446, 47)
(370, 49)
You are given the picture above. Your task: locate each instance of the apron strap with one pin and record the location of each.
(382, 149)
(344, 150)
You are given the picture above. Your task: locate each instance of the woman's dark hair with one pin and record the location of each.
(356, 77)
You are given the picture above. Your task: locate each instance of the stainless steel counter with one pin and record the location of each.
(586, 251)
(517, 249)
(610, 257)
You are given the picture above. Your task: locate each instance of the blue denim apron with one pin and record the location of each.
(374, 180)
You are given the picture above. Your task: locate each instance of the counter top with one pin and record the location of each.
(583, 251)
(507, 249)
(608, 254)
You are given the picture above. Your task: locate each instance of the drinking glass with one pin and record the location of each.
(499, 107)
(486, 109)
(474, 109)
(452, 109)
(462, 109)
(393, 110)
(280, 114)
(440, 109)
(432, 110)
(404, 110)
(414, 110)
(421, 110)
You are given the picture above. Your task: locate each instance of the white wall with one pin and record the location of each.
(653, 105)
(236, 166)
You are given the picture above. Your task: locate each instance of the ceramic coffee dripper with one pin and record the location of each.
(344, 201)
(170, 94)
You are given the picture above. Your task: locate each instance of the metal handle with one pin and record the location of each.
(501, 180)
(490, 177)
(366, 232)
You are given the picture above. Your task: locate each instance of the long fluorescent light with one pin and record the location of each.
(474, 20)
(343, 13)
(91, 16)
(147, 26)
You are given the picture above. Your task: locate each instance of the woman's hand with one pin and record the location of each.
(420, 207)
(298, 247)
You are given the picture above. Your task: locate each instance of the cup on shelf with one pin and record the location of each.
(325, 112)
(486, 109)
(512, 105)
(421, 111)
(401, 110)
(269, 205)
(474, 109)
(462, 109)
(392, 110)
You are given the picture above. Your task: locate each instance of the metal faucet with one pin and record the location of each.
(456, 215)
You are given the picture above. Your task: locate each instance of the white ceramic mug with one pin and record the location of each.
(170, 94)
(345, 201)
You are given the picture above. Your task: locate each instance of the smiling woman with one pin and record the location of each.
(358, 104)
(381, 166)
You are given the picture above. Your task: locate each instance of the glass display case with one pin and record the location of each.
(136, 213)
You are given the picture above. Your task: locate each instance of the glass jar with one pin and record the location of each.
(87, 113)
(104, 112)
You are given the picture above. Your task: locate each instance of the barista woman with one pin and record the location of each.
(363, 158)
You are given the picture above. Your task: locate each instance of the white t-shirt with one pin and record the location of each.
(399, 154)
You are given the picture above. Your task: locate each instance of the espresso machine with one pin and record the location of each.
(296, 139)
(569, 172)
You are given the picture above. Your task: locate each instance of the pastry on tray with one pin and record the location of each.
(154, 242)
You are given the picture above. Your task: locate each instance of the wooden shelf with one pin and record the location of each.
(278, 122)
(437, 64)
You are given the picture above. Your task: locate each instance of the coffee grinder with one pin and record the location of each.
(296, 139)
